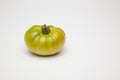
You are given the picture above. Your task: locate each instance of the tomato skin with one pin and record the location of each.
(44, 44)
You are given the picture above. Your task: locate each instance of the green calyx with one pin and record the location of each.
(45, 29)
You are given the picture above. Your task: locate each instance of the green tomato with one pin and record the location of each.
(44, 40)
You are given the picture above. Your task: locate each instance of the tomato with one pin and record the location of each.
(44, 39)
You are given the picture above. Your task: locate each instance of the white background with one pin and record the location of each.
(92, 48)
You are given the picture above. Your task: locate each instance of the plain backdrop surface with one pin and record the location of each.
(92, 48)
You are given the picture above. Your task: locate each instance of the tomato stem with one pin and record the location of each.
(45, 29)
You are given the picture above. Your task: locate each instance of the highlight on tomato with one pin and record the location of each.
(44, 39)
